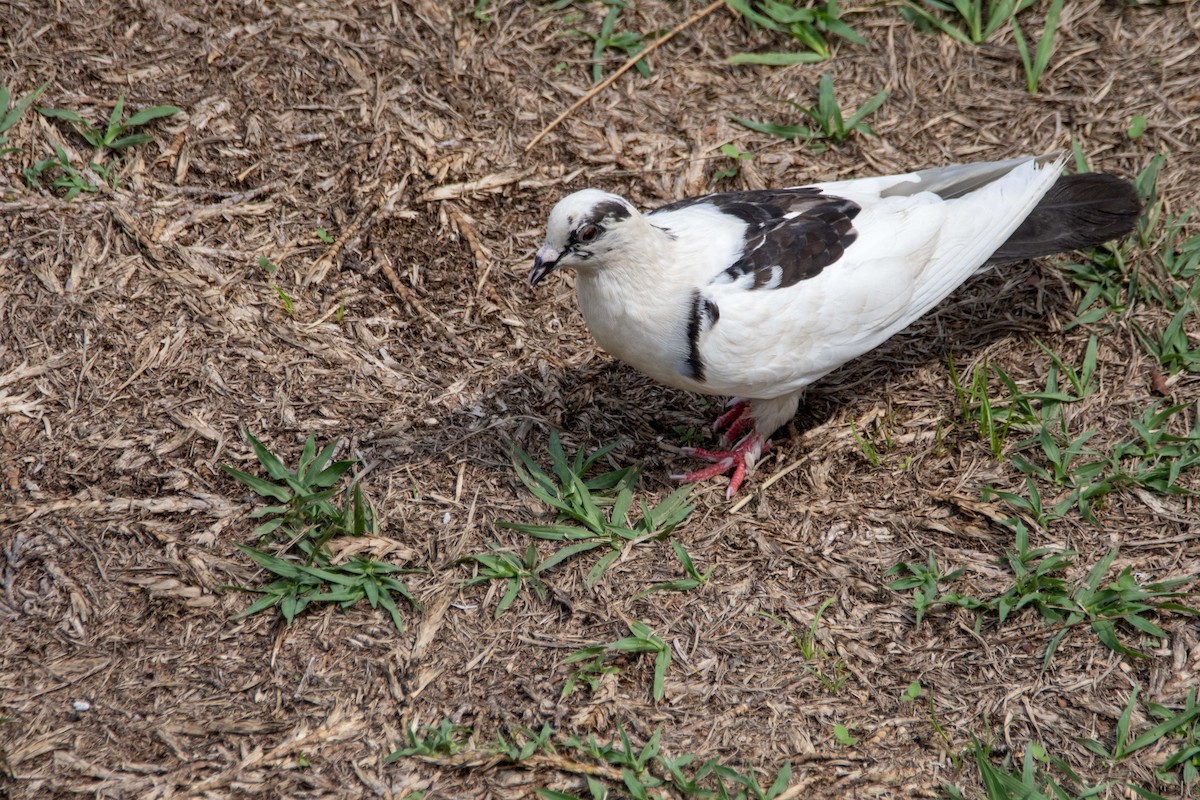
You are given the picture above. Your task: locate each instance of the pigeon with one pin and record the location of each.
(755, 295)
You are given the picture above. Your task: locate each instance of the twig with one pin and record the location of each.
(453, 191)
(628, 65)
(320, 267)
(483, 264)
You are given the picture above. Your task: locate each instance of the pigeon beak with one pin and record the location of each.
(543, 264)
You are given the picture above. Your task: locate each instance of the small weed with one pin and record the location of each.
(1124, 600)
(843, 735)
(1182, 726)
(867, 444)
(285, 301)
(505, 566)
(66, 177)
(266, 265)
(924, 580)
(1036, 67)
(693, 580)
(640, 640)
(1035, 579)
(1137, 126)
(1060, 469)
(1082, 380)
(914, 690)
(1172, 347)
(1179, 260)
(1153, 461)
(303, 517)
(1037, 584)
(447, 739)
(688, 434)
(736, 157)
(608, 768)
(533, 743)
(298, 585)
(808, 24)
(829, 122)
(966, 21)
(590, 673)
(628, 42)
(116, 134)
(1185, 726)
(753, 789)
(1125, 744)
(578, 500)
(1107, 283)
(1030, 781)
(812, 652)
(323, 235)
(975, 402)
(633, 764)
(10, 116)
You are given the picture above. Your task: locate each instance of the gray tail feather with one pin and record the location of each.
(1078, 211)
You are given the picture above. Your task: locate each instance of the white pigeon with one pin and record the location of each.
(757, 294)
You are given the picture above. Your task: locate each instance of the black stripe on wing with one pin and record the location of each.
(791, 234)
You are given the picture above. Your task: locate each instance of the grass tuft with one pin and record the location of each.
(299, 524)
(809, 24)
(829, 122)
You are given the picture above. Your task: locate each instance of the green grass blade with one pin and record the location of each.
(662, 662)
(61, 113)
(259, 485)
(152, 113)
(565, 553)
(284, 569)
(1045, 46)
(782, 131)
(775, 59)
(114, 120)
(1162, 729)
(868, 108)
(597, 571)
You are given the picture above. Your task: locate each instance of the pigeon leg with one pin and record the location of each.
(737, 410)
(734, 422)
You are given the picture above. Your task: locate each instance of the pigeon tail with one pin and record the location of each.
(1079, 211)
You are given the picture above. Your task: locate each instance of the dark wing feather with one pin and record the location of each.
(791, 234)
(1079, 211)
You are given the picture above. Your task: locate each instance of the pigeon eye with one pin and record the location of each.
(588, 233)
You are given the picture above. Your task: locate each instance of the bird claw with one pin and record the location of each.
(736, 410)
(740, 459)
(733, 423)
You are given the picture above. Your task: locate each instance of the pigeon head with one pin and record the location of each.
(584, 229)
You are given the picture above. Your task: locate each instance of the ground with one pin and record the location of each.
(142, 334)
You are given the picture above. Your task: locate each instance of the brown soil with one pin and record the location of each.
(139, 338)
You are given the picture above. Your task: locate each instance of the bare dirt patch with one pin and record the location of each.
(139, 337)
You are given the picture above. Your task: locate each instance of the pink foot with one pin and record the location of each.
(737, 411)
(739, 459)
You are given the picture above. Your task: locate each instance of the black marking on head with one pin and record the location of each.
(791, 234)
(592, 225)
(703, 316)
(605, 212)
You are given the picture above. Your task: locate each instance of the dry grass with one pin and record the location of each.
(139, 338)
